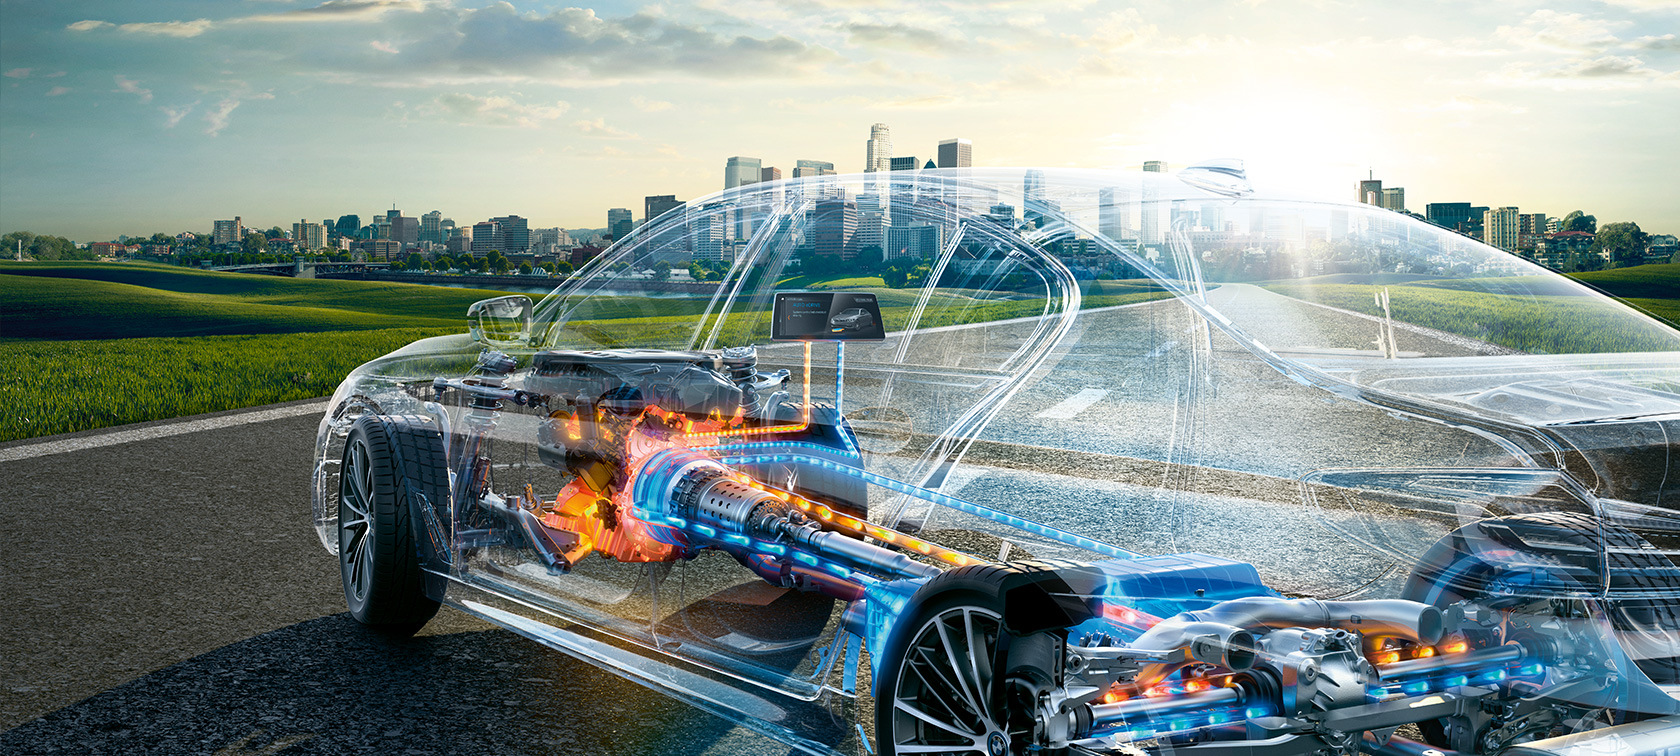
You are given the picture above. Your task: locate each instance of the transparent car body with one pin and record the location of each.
(1092, 367)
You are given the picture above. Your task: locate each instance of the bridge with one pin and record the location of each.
(301, 268)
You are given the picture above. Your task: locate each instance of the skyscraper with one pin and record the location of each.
(348, 225)
(740, 171)
(431, 227)
(1370, 191)
(1113, 214)
(405, 229)
(906, 163)
(228, 231)
(1032, 198)
(877, 152)
(1501, 228)
(804, 168)
(619, 222)
(516, 235)
(956, 153)
(1394, 198)
(833, 224)
(768, 173)
(486, 235)
(309, 235)
(658, 205)
(1149, 213)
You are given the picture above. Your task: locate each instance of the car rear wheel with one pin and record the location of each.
(390, 465)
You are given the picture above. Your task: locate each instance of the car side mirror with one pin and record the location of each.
(503, 321)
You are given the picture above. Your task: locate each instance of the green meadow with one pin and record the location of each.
(91, 345)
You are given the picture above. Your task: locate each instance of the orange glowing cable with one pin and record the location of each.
(1386, 657)
(865, 528)
(1454, 647)
(1196, 686)
(1423, 652)
(804, 421)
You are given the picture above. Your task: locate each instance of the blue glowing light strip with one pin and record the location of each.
(1055, 534)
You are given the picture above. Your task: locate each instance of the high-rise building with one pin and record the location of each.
(405, 230)
(619, 222)
(707, 229)
(658, 205)
(1032, 198)
(768, 173)
(1113, 214)
(516, 234)
(914, 241)
(805, 168)
(1500, 228)
(1149, 212)
(309, 235)
(906, 163)
(740, 171)
(486, 235)
(446, 229)
(431, 227)
(1453, 215)
(833, 228)
(1370, 191)
(460, 240)
(871, 222)
(348, 225)
(228, 231)
(1531, 228)
(877, 152)
(1394, 198)
(956, 153)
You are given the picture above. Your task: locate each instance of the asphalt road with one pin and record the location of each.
(168, 595)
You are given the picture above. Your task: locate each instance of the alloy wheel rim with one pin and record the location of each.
(355, 536)
(943, 703)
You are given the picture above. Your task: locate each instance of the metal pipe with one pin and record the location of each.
(1135, 710)
(1206, 642)
(1496, 657)
(1411, 620)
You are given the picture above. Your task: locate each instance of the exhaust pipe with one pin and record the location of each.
(1651, 737)
(1205, 642)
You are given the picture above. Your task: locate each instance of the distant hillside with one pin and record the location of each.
(1638, 282)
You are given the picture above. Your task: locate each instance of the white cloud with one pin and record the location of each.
(89, 25)
(1568, 32)
(1116, 30)
(217, 118)
(17, 73)
(340, 10)
(599, 128)
(1666, 42)
(169, 28)
(56, 91)
(498, 110)
(384, 47)
(649, 106)
(1645, 5)
(173, 116)
(133, 87)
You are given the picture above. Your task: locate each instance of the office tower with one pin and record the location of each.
(768, 173)
(1155, 166)
(1213, 216)
(1453, 215)
(1531, 227)
(619, 222)
(740, 171)
(309, 235)
(956, 153)
(833, 227)
(658, 205)
(1500, 228)
(708, 227)
(446, 229)
(913, 242)
(228, 231)
(1032, 198)
(405, 230)
(486, 235)
(877, 152)
(871, 222)
(516, 236)
(1370, 191)
(805, 168)
(906, 163)
(1149, 211)
(460, 240)
(431, 227)
(1394, 198)
(348, 225)
(1113, 214)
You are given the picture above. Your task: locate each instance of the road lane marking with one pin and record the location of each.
(119, 436)
(1073, 405)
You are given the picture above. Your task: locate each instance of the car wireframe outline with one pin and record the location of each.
(851, 319)
(1159, 464)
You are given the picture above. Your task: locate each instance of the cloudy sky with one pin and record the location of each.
(132, 117)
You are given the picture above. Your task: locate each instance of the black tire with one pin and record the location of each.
(1563, 547)
(388, 461)
(977, 703)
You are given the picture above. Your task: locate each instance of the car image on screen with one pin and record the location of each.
(1153, 465)
(851, 319)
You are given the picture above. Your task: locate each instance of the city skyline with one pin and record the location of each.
(130, 118)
